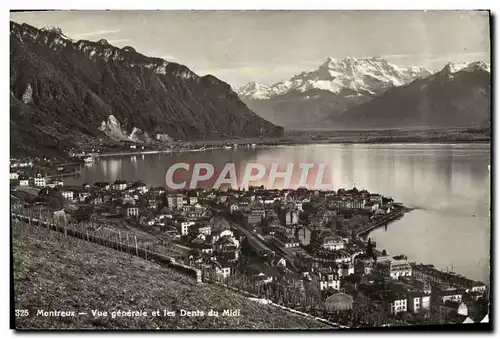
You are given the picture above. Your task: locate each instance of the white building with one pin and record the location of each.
(395, 268)
(24, 182)
(222, 271)
(185, 225)
(132, 211)
(418, 303)
(328, 281)
(397, 305)
(68, 194)
(14, 175)
(333, 243)
(40, 180)
(291, 217)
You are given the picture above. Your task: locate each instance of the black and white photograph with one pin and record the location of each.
(250, 169)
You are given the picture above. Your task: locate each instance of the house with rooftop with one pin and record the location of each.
(23, 181)
(131, 211)
(332, 243)
(394, 267)
(328, 281)
(442, 293)
(40, 180)
(418, 302)
(175, 201)
(304, 235)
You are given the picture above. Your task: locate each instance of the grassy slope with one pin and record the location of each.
(54, 274)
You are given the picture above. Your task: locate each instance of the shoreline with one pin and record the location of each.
(294, 143)
(62, 175)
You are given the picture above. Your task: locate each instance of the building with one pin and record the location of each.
(332, 243)
(13, 176)
(418, 302)
(68, 194)
(394, 268)
(329, 281)
(255, 216)
(40, 180)
(262, 279)
(339, 302)
(396, 302)
(286, 240)
(185, 225)
(445, 293)
(24, 182)
(59, 216)
(291, 217)
(82, 196)
(132, 211)
(223, 271)
(476, 287)
(345, 270)
(233, 208)
(175, 201)
(304, 236)
(120, 185)
(205, 229)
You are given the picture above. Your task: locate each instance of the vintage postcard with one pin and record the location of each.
(295, 169)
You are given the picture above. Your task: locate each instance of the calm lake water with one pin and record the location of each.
(449, 184)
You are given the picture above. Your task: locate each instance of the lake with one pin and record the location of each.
(449, 184)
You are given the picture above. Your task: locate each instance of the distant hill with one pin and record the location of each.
(457, 96)
(66, 91)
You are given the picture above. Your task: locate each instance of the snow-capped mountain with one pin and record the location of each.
(454, 67)
(310, 98)
(456, 96)
(364, 75)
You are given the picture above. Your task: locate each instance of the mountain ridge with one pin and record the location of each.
(309, 99)
(456, 96)
(346, 73)
(80, 84)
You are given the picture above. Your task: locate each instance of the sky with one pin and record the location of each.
(270, 46)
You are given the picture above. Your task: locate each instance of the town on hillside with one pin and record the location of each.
(305, 249)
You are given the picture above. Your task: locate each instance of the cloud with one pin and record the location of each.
(435, 56)
(435, 61)
(89, 34)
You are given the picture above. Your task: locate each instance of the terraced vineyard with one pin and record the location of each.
(53, 272)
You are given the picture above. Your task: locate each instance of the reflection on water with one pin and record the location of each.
(449, 183)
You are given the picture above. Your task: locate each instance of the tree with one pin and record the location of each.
(384, 253)
(369, 248)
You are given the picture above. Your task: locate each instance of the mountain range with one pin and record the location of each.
(310, 99)
(456, 96)
(65, 91)
(371, 92)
